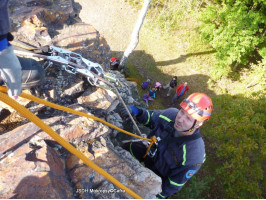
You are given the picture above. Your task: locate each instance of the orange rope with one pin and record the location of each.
(52, 105)
(26, 113)
(64, 143)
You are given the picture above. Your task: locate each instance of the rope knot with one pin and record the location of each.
(153, 140)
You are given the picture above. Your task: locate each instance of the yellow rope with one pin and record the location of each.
(47, 103)
(153, 139)
(26, 113)
(133, 79)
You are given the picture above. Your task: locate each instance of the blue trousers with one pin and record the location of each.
(175, 97)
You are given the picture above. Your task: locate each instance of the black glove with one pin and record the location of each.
(133, 111)
(9, 37)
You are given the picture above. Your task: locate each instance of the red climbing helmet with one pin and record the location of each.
(198, 105)
(114, 61)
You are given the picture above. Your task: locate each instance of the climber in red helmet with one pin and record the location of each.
(180, 151)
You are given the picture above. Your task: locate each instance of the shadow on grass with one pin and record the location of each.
(143, 66)
(182, 58)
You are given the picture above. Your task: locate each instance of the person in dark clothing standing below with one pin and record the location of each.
(180, 91)
(171, 85)
(179, 151)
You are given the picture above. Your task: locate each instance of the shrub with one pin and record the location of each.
(237, 127)
(235, 30)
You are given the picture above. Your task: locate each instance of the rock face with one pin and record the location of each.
(115, 161)
(33, 160)
(30, 19)
(30, 170)
(32, 163)
(99, 98)
(85, 40)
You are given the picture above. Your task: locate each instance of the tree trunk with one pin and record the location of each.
(235, 66)
(135, 34)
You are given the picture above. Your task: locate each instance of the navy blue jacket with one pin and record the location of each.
(4, 18)
(174, 163)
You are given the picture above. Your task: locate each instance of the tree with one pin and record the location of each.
(135, 34)
(235, 28)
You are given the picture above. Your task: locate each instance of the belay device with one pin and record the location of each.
(72, 57)
(74, 63)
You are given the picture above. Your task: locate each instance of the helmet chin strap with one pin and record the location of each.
(192, 127)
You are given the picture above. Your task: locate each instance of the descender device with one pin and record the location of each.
(73, 63)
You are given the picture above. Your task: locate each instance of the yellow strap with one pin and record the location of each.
(26, 113)
(133, 79)
(47, 103)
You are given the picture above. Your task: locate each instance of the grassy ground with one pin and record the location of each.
(160, 56)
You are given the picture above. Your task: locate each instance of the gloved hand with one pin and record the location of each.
(132, 109)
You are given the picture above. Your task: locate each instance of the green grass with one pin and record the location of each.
(195, 188)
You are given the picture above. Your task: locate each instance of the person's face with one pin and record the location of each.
(184, 121)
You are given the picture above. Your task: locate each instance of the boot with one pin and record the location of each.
(4, 113)
(32, 73)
